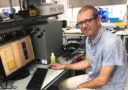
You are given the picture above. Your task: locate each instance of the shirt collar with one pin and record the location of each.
(98, 36)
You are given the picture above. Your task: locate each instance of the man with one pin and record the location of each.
(105, 54)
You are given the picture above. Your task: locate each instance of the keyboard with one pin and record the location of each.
(37, 79)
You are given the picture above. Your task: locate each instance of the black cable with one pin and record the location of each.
(7, 85)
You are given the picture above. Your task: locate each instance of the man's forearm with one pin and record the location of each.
(94, 83)
(78, 65)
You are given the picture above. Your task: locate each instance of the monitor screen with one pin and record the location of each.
(15, 56)
(112, 13)
(7, 10)
(103, 12)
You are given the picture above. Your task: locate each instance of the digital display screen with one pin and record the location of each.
(25, 50)
(103, 12)
(6, 11)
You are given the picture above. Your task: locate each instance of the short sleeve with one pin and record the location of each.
(113, 52)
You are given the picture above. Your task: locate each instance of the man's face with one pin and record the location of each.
(88, 24)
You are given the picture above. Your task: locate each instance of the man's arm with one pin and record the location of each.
(101, 80)
(79, 65)
(74, 66)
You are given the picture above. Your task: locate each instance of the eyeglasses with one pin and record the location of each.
(86, 21)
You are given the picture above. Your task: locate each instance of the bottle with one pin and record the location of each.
(53, 59)
(71, 23)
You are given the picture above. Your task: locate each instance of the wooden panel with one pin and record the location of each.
(8, 59)
(80, 3)
(5, 3)
(112, 2)
(75, 3)
(19, 50)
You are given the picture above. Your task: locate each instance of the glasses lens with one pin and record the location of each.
(86, 21)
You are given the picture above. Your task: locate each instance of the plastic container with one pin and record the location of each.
(53, 58)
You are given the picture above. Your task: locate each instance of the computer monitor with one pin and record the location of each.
(14, 57)
(104, 14)
(7, 10)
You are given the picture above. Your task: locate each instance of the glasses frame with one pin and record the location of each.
(86, 21)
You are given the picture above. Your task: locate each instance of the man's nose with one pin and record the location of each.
(84, 25)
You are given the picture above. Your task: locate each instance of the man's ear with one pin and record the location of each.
(99, 20)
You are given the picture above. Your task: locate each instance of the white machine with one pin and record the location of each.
(51, 9)
(45, 7)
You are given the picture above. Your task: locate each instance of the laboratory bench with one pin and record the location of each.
(52, 75)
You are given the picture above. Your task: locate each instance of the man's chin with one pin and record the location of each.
(86, 33)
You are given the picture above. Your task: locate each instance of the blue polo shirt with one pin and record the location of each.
(108, 49)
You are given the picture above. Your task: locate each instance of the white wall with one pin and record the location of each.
(66, 5)
(118, 10)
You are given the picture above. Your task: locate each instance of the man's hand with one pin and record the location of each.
(57, 66)
(79, 86)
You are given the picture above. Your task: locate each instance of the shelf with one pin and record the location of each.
(24, 21)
